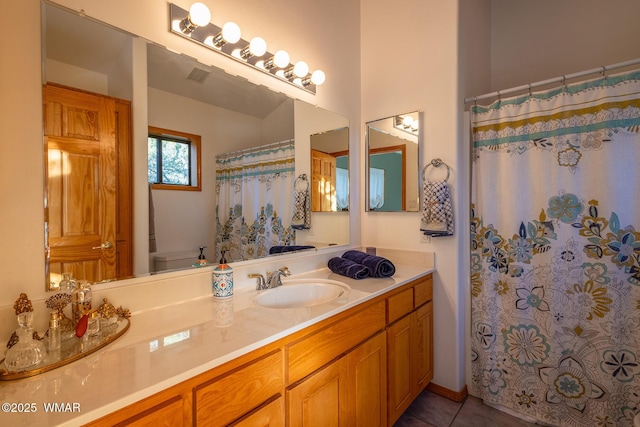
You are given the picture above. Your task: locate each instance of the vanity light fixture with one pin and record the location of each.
(198, 16)
(407, 124)
(279, 60)
(195, 25)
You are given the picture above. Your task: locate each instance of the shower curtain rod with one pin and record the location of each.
(561, 79)
(259, 148)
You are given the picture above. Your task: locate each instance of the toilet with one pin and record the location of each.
(175, 260)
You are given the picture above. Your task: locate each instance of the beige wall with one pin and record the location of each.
(409, 63)
(21, 177)
(538, 40)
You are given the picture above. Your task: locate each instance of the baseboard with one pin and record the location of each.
(456, 396)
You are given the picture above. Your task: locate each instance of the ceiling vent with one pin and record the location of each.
(198, 75)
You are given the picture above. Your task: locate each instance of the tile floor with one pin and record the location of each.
(432, 410)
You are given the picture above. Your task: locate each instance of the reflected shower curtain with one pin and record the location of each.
(556, 253)
(254, 208)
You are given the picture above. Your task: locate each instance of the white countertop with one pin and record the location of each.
(168, 345)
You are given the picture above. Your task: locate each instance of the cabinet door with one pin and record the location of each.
(321, 399)
(422, 341)
(400, 361)
(269, 415)
(367, 379)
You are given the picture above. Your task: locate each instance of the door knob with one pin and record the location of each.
(105, 245)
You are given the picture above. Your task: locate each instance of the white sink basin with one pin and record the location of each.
(302, 293)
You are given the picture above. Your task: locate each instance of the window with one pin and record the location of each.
(173, 160)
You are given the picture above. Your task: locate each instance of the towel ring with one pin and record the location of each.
(436, 163)
(301, 177)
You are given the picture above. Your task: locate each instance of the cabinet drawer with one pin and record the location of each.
(312, 352)
(423, 291)
(227, 398)
(399, 304)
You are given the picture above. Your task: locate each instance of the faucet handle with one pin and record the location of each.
(261, 284)
(285, 271)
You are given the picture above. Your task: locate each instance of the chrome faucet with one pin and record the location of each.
(275, 279)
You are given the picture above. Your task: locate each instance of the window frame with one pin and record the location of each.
(195, 142)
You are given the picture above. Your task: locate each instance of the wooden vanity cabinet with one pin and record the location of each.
(337, 375)
(409, 345)
(362, 367)
(350, 391)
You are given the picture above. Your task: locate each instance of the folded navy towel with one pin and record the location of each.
(348, 268)
(378, 266)
(292, 248)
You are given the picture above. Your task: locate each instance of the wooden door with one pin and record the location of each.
(400, 381)
(422, 329)
(81, 173)
(323, 182)
(321, 399)
(367, 373)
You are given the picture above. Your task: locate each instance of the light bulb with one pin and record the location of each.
(176, 25)
(301, 69)
(407, 120)
(209, 41)
(414, 126)
(281, 59)
(199, 14)
(258, 46)
(317, 77)
(231, 32)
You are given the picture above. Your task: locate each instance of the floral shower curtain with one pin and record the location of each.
(556, 255)
(254, 190)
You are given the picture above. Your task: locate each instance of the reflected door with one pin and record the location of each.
(323, 182)
(80, 145)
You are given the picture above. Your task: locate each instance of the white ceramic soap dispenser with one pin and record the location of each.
(223, 279)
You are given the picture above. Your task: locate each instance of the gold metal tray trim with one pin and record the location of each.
(121, 326)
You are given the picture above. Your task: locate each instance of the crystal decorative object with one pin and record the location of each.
(27, 352)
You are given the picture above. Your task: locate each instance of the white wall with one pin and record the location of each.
(538, 40)
(410, 54)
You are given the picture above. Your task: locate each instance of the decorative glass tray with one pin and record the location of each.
(71, 350)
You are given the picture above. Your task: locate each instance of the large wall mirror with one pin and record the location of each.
(392, 163)
(233, 118)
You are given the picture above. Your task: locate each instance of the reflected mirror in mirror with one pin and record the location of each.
(228, 113)
(392, 163)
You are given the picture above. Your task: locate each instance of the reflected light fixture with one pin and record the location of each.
(407, 124)
(195, 25)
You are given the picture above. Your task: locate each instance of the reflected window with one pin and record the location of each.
(376, 188)
(173, 160)
(342, 189)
